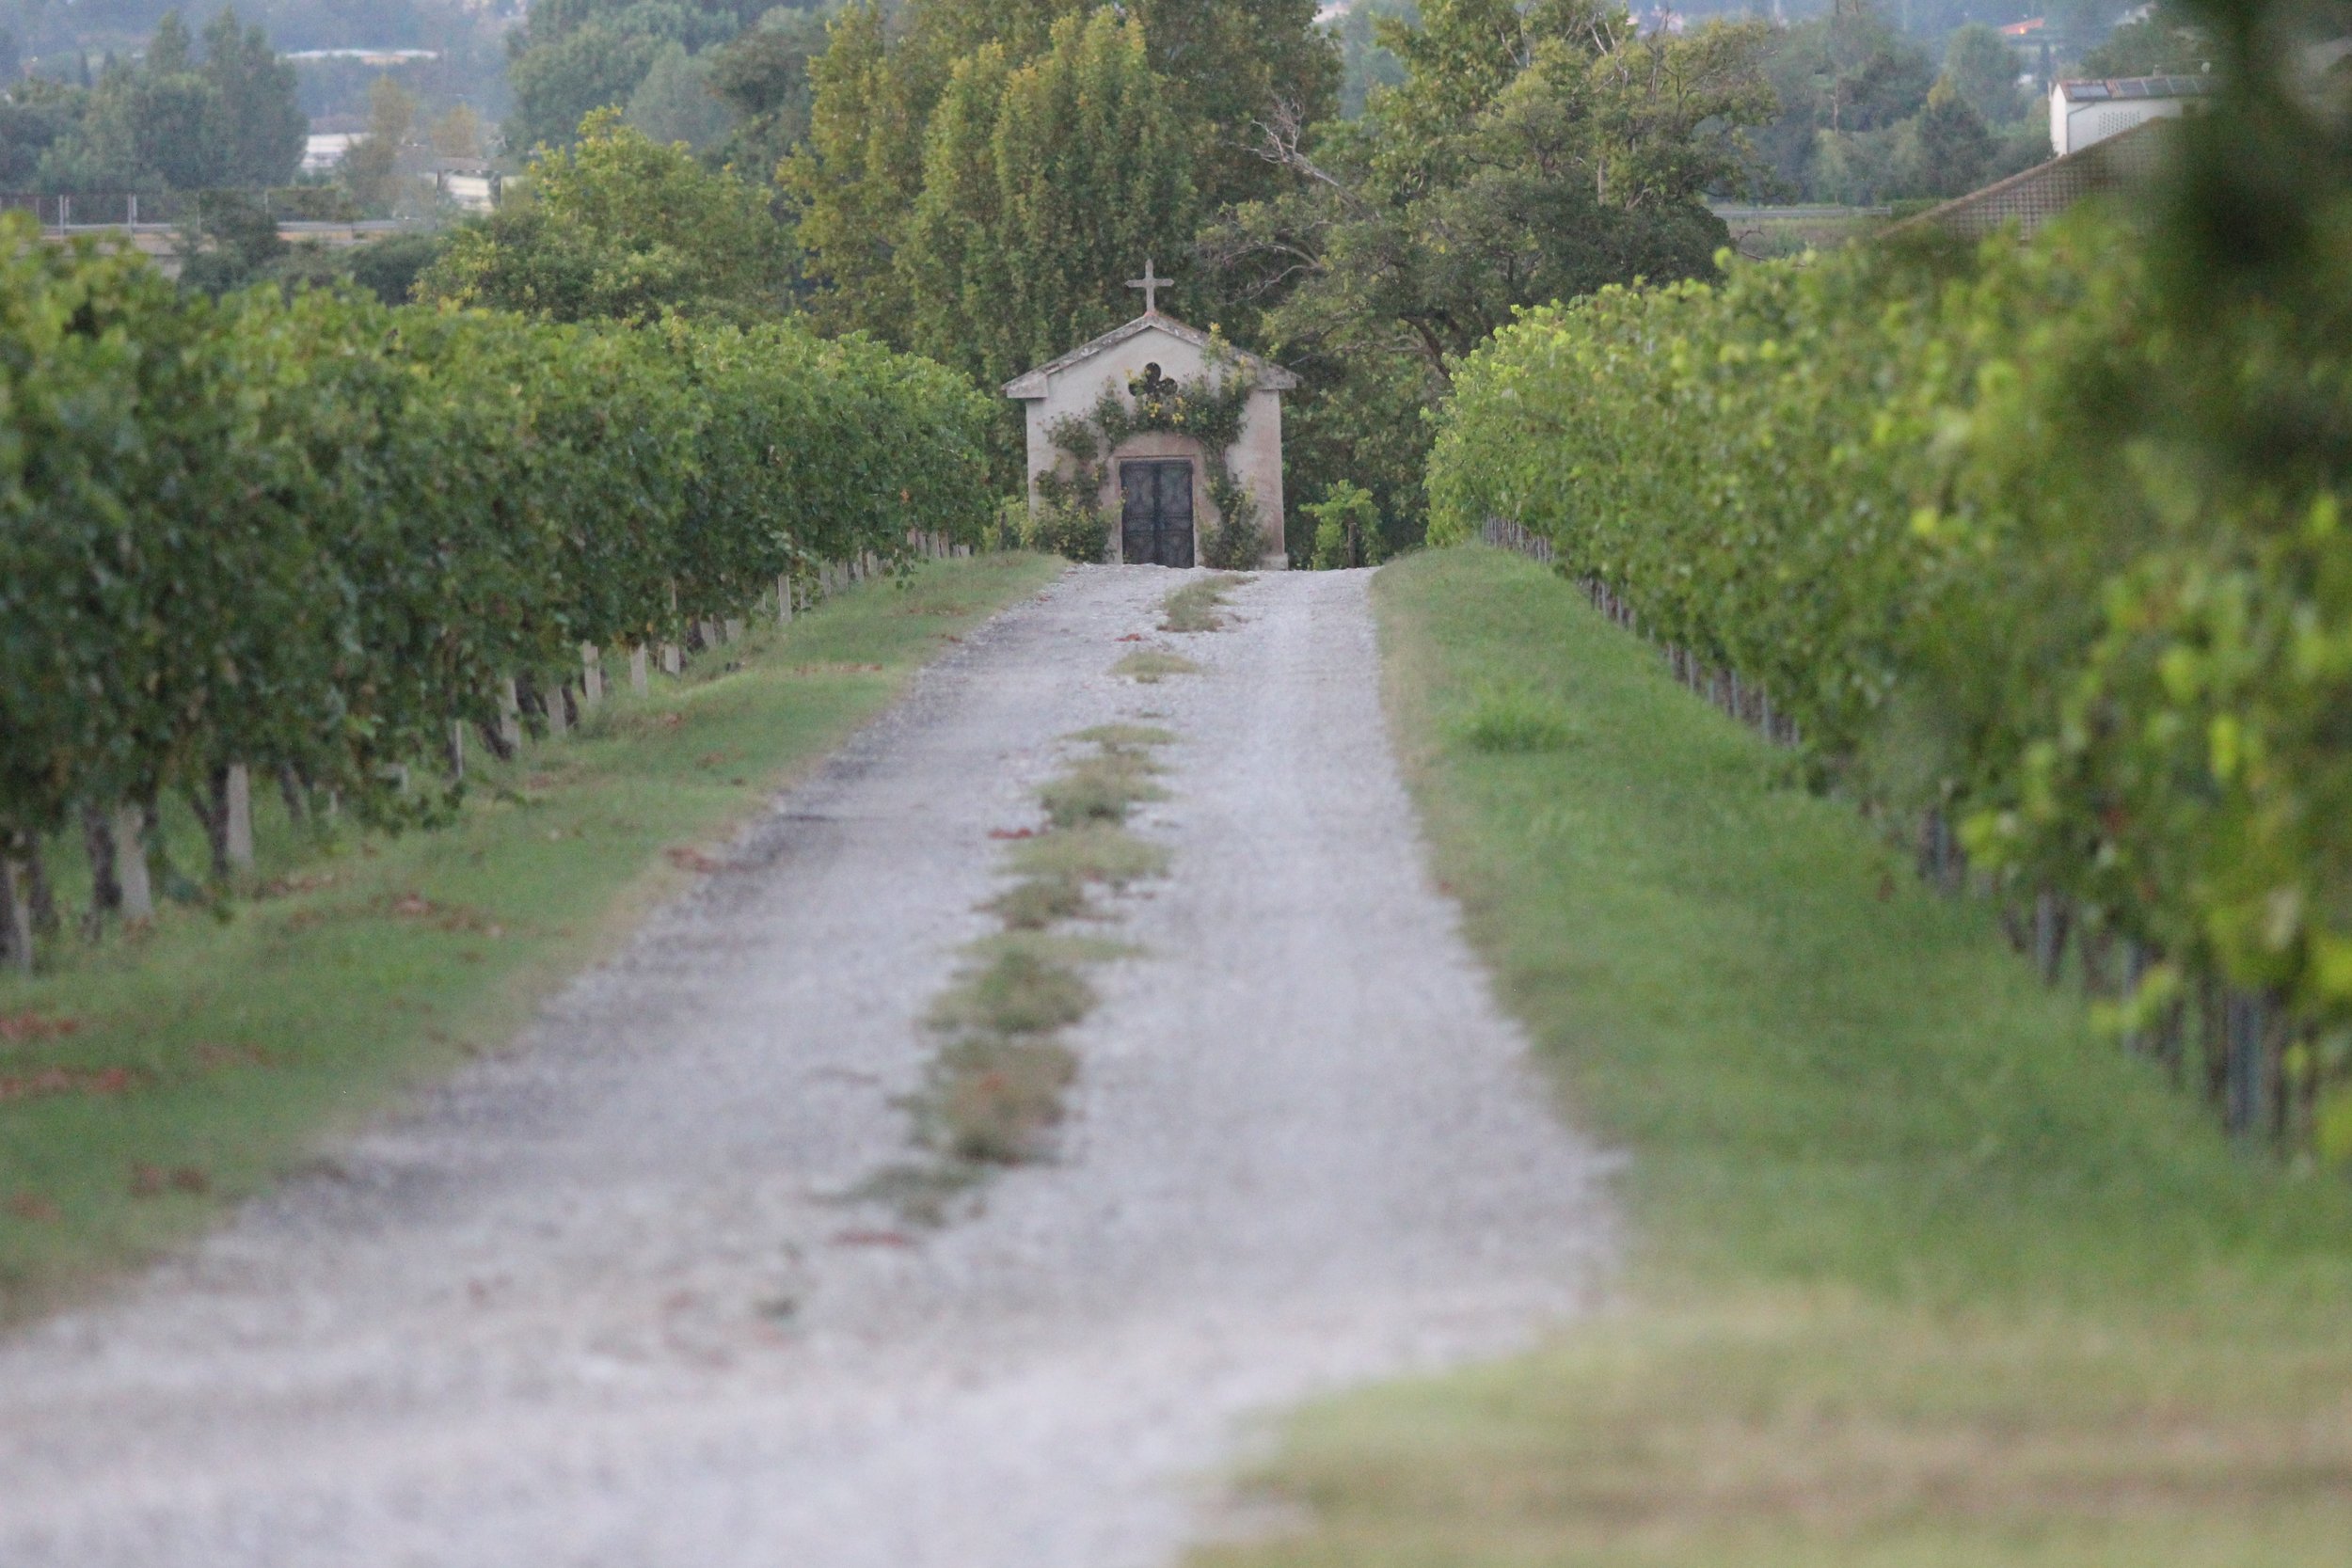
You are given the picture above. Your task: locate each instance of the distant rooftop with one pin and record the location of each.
(367, 56)
(2135, 87)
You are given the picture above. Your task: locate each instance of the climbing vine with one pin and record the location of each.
(1210, 407)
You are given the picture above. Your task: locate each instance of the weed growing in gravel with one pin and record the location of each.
(920, 1191)
(1018, 991)
(1195, 607)
(1150, 666)
(993, 1094)
(1126, 735)
(1040, 902)
(1098, 852)
(991, 1101)
(1102, 788)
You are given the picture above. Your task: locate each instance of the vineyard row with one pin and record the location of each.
(2021, 558)
(319, 538)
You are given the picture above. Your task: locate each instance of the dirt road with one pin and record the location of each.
(599, 1300)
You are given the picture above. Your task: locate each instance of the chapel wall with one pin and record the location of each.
(1256, 459)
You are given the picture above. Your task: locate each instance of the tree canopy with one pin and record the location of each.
(1531, 153)
(573, 56)
(174, 119)
(1221, 67)
(1041, 185)
(621, 227)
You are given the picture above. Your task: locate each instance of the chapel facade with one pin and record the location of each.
(1158, 487)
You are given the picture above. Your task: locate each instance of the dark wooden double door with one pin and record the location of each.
(1155, 513)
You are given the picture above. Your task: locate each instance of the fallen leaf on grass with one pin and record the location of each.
(693, 859)
(33, 1208)
(23, 1028)
(51, 1082)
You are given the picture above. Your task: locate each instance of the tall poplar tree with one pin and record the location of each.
(1044, 187)
(262, 128)
(1222, 67)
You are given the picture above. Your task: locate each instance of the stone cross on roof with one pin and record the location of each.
(1151, 283)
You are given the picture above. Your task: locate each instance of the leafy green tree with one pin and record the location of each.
(172, 49)
(35, 116)
(154, 125)
(1845, 74)
(674, 104)
(619, 226)
(389, 268)
(1232, 68)
(1947, 148)
(371, 168)
(1983, 69)
(1226, 66)
(1042, 187)
(457, 134)
(2166, 42)
(572, 57)
(166, 122)
(1529, 155)
(763, 76)
(1364, 64)
(856, 180)
(558, 83)
(1347, 527)
(262, 124)
(232, 239)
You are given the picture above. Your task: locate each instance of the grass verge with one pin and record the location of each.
(1925, 1272)
(153, 1079)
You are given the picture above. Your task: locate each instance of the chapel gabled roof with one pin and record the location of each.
(1271, 377)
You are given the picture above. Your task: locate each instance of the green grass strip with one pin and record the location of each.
(1924, 1272)
(205, 1057)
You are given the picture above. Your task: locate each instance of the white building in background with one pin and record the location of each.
(321, 154)
(2082, 112)
(380, 59)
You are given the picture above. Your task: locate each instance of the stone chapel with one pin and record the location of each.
(1156, 483)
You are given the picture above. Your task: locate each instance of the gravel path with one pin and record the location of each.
(600, 1302)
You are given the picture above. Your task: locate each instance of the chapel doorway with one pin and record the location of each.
(1155, 513)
